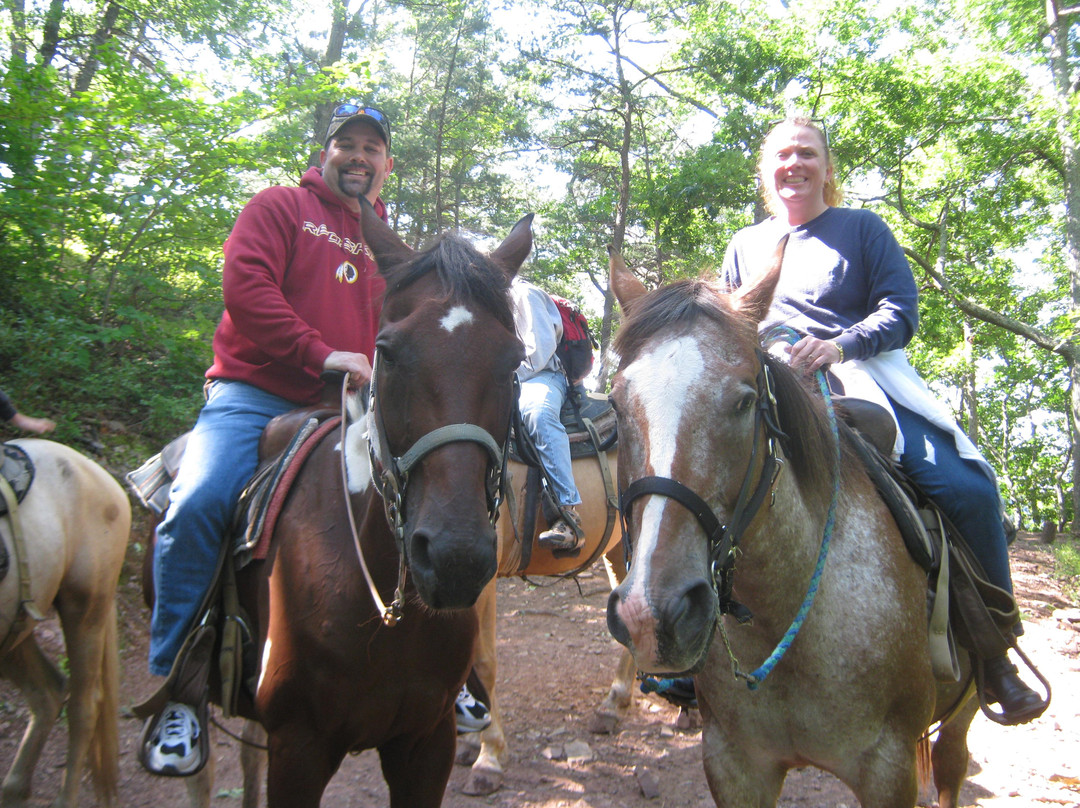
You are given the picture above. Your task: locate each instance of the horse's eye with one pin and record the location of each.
(386, 356)
(746, 403)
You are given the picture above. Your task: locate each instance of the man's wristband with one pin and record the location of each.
(840, 350)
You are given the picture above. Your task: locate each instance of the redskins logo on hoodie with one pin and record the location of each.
(346, 273)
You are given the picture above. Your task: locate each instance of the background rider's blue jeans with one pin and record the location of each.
(221, 455)
(541, 401)
(963, 490)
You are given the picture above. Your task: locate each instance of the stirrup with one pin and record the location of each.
(1000, 717)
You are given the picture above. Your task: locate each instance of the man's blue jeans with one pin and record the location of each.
(221, 455)
(540, 402)
(963, 490)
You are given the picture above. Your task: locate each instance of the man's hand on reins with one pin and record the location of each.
(356, 365)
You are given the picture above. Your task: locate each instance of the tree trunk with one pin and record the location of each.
(335, 43)
(102, 35)
(1059, 65)
(968, 395)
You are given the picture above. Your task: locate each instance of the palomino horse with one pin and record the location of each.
(718, 532)
(601, 528)
(74, 524)
(338, 673)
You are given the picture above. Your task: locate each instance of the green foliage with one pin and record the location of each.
(942, 119)
(133, 134)
(1067, 567)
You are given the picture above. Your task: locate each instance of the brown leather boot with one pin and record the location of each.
(1002, 683)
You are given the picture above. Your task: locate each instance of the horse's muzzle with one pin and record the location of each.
(450, 568)
(666, 632)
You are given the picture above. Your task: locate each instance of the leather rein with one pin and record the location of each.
(390, 476)
(723, 539)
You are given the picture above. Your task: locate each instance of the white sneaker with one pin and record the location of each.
(471, 715)
(174, 745)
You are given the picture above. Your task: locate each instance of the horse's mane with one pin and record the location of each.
(466, 274)
(810, 444)
(681, 305)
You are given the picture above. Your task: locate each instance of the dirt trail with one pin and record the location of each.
(556, 659)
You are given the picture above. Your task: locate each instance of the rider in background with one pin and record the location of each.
(848, 291)
(544, 388)
(302, 296)
(27, 423)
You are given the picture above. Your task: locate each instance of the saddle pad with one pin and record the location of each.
(890, 484)
(261, 503)
(18, 469)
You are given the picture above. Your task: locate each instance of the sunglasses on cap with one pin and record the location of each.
(346, 112)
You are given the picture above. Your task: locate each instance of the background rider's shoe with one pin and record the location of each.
(1001, 683)
(563, 537)
(174, 748)
(471, 715)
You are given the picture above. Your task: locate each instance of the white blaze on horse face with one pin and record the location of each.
(457, 316)
(661, 384)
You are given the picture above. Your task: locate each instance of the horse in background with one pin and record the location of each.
(74, 524)
(419, 479)
(717, 533)
(594, 475)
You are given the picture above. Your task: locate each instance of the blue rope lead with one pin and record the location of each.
(756, 677)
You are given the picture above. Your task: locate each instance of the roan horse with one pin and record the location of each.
(699, 407)
(337, 676)
(74, 524)
(603, 535)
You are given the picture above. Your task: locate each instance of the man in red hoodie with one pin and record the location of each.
(302, 295)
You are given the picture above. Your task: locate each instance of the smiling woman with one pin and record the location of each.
(849, 296)
(797, 173)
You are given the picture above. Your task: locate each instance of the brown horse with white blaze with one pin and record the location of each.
(337, 675)
(717, 532)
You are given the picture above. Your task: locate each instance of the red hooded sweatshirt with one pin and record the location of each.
(299, 282)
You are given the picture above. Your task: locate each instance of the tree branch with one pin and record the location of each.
(653, 77)
(1064, 348)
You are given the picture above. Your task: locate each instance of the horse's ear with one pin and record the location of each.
(624, 284)
(511, 254)
(755, 298)
(386, 245)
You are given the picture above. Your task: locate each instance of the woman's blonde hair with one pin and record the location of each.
(833, 195)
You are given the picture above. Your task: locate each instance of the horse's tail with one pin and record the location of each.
(104, 758)
(924, 767)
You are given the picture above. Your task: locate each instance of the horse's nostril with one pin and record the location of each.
(420, 557)
(615, 623)
(696, 601)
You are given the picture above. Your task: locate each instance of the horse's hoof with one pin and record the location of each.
(468, 749)
(603, 724)
(482, 782)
